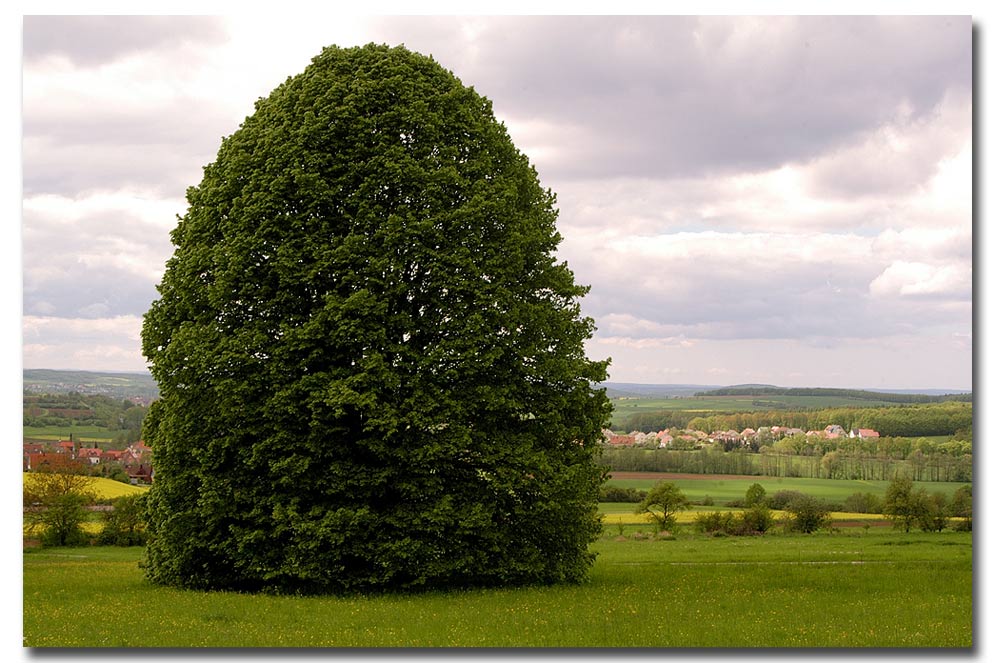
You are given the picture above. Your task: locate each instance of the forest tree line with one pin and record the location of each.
(876, 459)
(918, 420)
(858, 394)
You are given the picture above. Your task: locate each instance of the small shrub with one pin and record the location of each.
(808, 514)
(125, 524)
(755, 494)
(863, 503)
(782, 498)
(933, 514)
(62, 521)
(617, 494)
(757, 519)
(711, 522)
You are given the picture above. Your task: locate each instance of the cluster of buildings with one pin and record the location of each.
(746, 437)
(135, 460)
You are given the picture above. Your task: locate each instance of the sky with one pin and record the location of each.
(779, 200)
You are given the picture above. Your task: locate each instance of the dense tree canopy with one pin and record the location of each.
(371, 365)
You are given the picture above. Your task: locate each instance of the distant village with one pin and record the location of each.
(748, 437)
(135, 461)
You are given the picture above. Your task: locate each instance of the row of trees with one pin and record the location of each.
(907, 506)
(936, 465)
(858, 394)
(804, 512)
(920, 420)
(910, 507)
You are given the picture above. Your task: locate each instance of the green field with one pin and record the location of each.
(79, 433)
(866, 589)
(723, 489)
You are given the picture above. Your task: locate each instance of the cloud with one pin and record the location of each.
(91, 41)
(96, 256)
(916, 279)
(109, 344)
(876, 363)
(138, 124)
(702, 95)
(715, 285)
(898, 156)
(734, 190)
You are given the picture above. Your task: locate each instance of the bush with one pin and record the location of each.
(617, 494)
(755, 494)
(961, 507)
(125, 524)
(712, 522)
(757, 519)
(863, 503)
(782, 498)
(62, 520)
(933, 515)
(807, 514)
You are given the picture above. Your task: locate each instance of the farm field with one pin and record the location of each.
(79, 433)
(622, 514)
(103, 488)
(722, 488)
(876, 588)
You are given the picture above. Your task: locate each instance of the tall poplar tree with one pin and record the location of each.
(371, 364)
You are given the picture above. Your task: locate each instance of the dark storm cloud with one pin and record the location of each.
(666, 95)
(89, 41)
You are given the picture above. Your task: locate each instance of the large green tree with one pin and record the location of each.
(371, 364)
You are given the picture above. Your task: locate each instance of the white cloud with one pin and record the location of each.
(85, 344)
(66, 210)
(907, 279)
(125, 326)
(897, 158)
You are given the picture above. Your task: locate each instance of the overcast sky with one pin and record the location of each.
(775, 200)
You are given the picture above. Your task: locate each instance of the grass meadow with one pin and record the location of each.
(80, 433)
(870, 588)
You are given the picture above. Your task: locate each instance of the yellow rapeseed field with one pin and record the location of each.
(105, 489)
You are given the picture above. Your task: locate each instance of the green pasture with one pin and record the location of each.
(875, 588)
(728, 488)
(87, 433)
